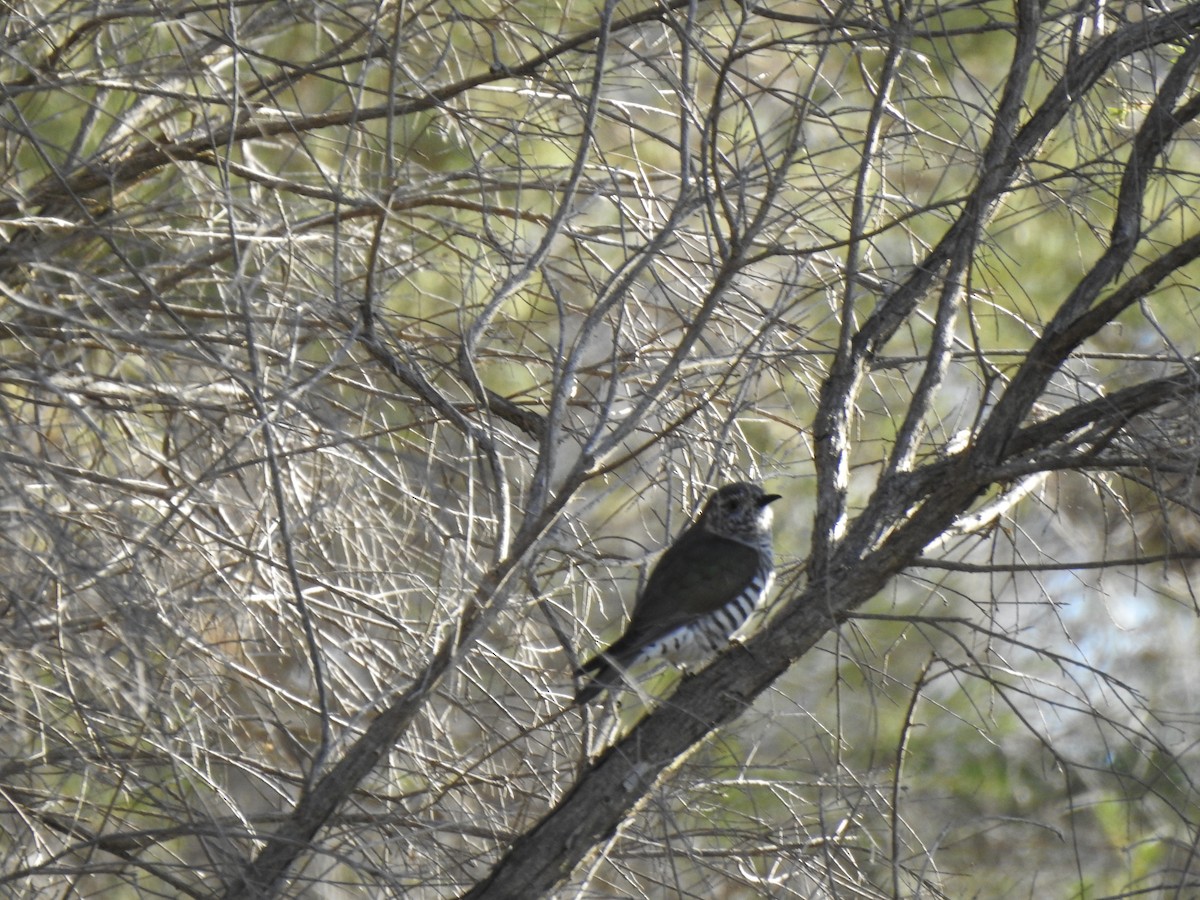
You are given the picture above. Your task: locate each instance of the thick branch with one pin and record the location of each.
(1072, 323)
(262, 877)
(621, 779)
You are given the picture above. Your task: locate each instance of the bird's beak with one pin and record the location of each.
(769, 498)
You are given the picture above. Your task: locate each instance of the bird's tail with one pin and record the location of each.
(604, 676)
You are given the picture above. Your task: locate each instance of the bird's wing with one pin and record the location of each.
(699, 574)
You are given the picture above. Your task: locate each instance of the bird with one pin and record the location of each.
(700, 592)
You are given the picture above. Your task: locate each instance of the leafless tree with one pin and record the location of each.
(358, 358)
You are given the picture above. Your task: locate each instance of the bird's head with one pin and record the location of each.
(739, 508)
